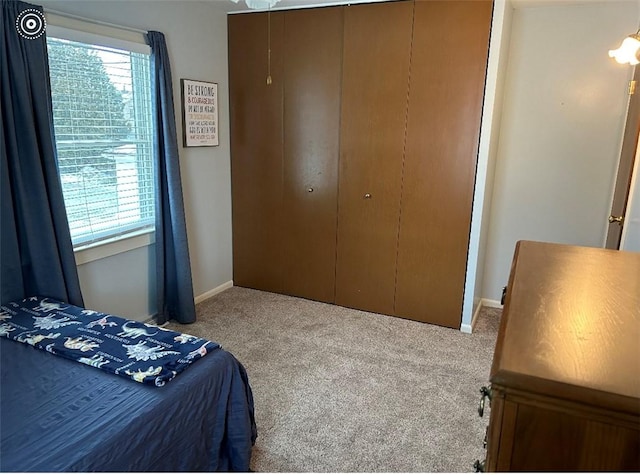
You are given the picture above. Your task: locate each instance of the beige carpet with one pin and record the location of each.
(340, 390)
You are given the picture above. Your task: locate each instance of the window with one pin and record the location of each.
(102, 119)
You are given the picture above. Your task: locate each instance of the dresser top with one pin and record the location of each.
(571, 325)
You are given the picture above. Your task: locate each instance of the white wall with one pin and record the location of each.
(487, 153)
(196, 34)
(564, 105)
(630, 239)
(564, 109)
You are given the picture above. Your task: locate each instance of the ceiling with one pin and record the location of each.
(288, 4)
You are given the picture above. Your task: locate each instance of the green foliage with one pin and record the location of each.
(88, 108)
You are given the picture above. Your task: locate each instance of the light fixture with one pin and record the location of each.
(628, 50)
(258, 4)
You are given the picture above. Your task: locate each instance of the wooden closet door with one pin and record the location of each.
(256, 150)
(449, 60)
(312, 76)
(377, 46)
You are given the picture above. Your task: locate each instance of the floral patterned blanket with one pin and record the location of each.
(145, 353)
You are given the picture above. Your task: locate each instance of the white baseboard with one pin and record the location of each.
(468, 328)
(212, 292)
(491, 303)
(200, 298)
(465, 327)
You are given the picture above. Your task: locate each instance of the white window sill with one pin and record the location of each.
(113, 246)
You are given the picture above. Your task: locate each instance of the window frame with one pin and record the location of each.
(75, 29)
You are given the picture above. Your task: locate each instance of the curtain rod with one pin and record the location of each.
(96, 22)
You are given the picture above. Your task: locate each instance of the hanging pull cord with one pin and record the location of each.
(269, 80)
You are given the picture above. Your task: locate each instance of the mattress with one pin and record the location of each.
(60, 415)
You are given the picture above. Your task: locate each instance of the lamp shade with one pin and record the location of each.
(628, 50)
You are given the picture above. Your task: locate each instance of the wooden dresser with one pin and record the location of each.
(565, 380)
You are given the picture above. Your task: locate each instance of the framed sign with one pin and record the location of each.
(199, 113)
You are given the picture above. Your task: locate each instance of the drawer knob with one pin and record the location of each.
(486, 394)
(367, 196)
(310, 190)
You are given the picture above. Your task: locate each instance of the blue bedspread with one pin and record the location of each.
(58, 415)
(144, 353)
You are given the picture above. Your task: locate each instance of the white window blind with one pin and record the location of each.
(102, 119)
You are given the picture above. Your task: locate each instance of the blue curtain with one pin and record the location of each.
(173, 269)
(35, 242)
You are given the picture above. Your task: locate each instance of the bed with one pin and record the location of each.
(60, 415)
